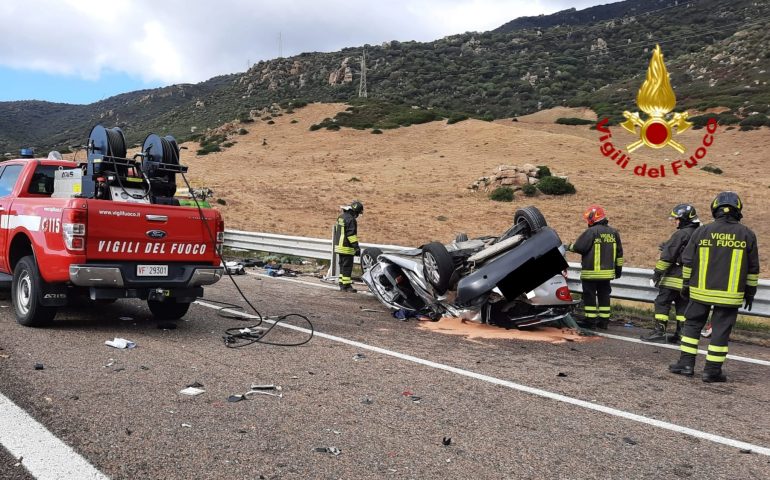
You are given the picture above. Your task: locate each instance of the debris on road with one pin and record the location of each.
(358, 356)
(235, 398)
(186, 425)
(333, 450)
(120, 343)
(630, 441)
(447, 441)
(39, 366)
(561, 374)
(192, 391)
(367, 401)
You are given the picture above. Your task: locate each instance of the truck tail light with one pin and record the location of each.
(74, 222)
(220, 233)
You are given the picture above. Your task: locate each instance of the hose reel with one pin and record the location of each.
(160, 164)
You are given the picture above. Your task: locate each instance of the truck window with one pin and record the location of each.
(42, 180)
(8, 179)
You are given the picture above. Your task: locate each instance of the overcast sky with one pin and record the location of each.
(81, 51)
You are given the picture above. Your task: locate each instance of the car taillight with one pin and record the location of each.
(563, 294)
(74, 222)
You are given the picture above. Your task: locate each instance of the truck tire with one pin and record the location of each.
(25, 295)
(168, 310)
(438, 266)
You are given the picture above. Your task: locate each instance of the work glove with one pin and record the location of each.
(685, 293)
(656, 276)
(747, 302)
(748, 297)
(618, 271)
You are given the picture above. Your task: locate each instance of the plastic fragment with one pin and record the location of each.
(120, 343)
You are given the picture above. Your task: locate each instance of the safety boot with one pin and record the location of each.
(602, 323)
(657, 335)
(685, 366)
(677, 336)
(348, 288)
(712, 373)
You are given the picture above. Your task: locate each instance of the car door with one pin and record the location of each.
(8, 177)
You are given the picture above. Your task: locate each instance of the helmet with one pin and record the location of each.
(685, 213)
(729, 202)
(594, 214)
(356, 207)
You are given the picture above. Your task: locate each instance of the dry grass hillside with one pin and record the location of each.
(413, 180)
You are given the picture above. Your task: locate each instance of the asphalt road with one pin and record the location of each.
(121, 409)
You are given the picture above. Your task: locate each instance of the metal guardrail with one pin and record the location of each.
(633, 285)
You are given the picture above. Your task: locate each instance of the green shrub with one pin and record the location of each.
(354, 179)
(314, 127)
(529, 190)
(221, 201)
(294, 120)
(555, 186)
(574, 121)
(333, 127)
(228, 144)
(208, 148)
(543, 171)
(377, 131)
(442, 218)
(270, 122)
(712, 169)
(755, 121)
(456, 118)
(242, 131)
(502, 194)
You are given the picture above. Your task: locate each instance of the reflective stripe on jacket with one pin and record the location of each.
(601, 250)
(720, 260)
(670, 263)
(346, 234)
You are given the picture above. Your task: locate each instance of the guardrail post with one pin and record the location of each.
(334, 266)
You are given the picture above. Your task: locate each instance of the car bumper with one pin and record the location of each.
(124, 276)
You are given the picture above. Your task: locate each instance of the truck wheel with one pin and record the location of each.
(25, 295)
(438, 266)
(168, 310)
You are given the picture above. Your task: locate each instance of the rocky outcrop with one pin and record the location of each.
(342, 75)
(512, 176)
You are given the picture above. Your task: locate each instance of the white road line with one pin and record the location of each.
(737, 358)
(676, 347)
(523, 388)
(44, 456)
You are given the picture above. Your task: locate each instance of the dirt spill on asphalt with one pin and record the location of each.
(473, 330)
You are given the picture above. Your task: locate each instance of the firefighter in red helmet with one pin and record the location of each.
(602, 260)
(346, 242)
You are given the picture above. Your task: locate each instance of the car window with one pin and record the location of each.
(8, 179)
(42, 180)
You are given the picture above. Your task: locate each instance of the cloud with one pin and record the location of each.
(176, 41)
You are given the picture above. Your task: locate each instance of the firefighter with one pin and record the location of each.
(602, 261)
(668, 274)
(720, 271)
(346, 242)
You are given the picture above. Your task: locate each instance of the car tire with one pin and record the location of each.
(438, 266)
(168, 310)
(532, 218)
(25, 295)
(369, 257)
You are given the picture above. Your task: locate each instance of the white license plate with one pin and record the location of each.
(152, 270)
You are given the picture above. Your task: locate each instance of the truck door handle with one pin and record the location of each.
(156, 218)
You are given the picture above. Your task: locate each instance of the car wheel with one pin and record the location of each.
(531, 219)
(438, 266)
(25, 295)
(168, 310)
(369, 257)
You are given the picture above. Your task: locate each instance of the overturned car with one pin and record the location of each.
(516, 278)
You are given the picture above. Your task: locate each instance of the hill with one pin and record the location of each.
(714, 50)
(413, 181)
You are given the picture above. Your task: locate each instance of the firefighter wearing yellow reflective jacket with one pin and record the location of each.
(602, 261)
(720, 270)
(668, 275)
(346, 242)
